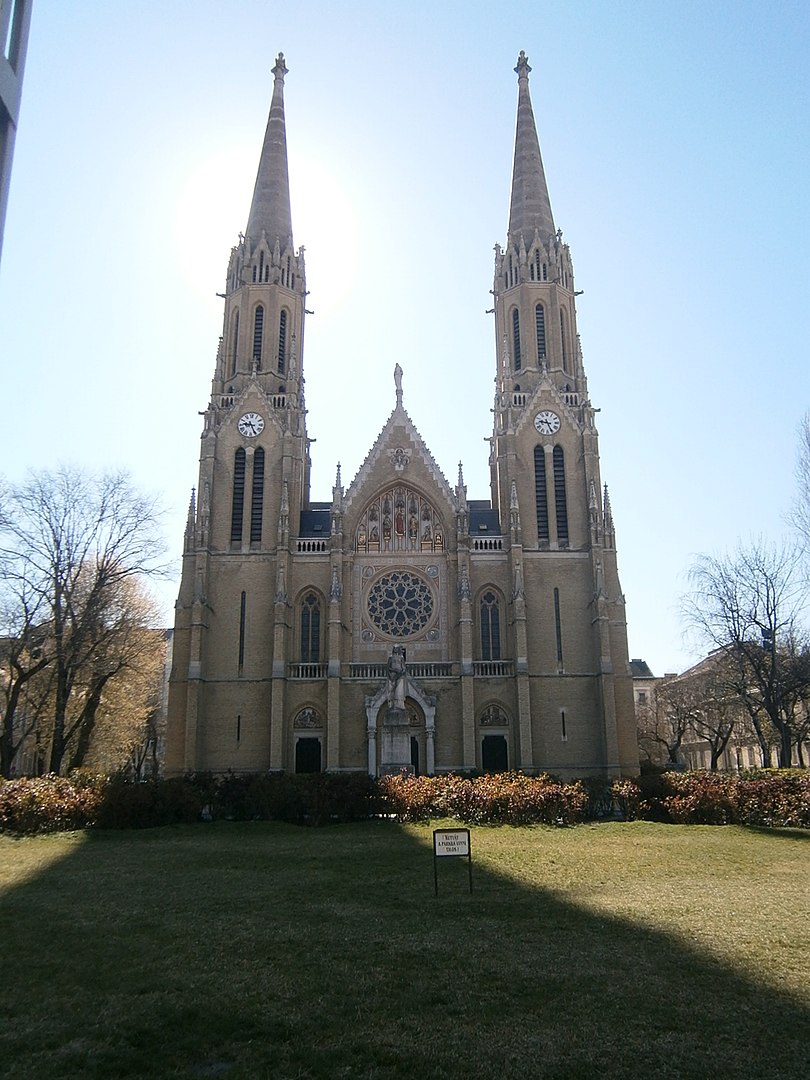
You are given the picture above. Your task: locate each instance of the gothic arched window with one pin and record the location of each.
(282, 341)
(257, 496)
(540, 327)
(258, 331)
(563, 344)
(516, 337)
(490, 627)
(560, 501)
(238, 501)
(234, 340)
(541, 493)
(310, 629)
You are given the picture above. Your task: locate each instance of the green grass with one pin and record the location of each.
(269, 951)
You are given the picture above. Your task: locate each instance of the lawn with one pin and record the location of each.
(270, 951)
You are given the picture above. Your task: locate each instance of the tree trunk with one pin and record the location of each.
(7, 748)
(58, 744)
(764, 745)
(785, 748)
(86, 725)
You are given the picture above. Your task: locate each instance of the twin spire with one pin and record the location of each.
(530, 208)
(270, 208)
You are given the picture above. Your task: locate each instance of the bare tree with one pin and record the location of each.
(72, 548)
(718, 712)
(800, 518)
(750, 604)
(665, 720)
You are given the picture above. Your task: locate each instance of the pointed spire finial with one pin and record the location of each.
(523, 67)
(280, 70)
(461, 491)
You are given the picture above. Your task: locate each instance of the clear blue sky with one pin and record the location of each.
(675, 139)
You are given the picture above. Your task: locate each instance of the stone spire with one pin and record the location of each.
(270, 208)
(530, 208)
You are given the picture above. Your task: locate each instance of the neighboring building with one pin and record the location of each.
(643, 683)
(683, 720)
(294, 617)
(15, 19)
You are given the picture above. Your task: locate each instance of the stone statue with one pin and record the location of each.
(397, 678)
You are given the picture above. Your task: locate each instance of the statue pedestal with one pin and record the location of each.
(395, 748)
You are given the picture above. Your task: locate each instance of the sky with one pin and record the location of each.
(676, 144)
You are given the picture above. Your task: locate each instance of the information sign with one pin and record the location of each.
(451, 843)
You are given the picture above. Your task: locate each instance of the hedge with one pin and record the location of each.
(776, 798)
(500, 798)
(772, 798)
(52, 803)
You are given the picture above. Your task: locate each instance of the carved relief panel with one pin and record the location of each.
(399, 520)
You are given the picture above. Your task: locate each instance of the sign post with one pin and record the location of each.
(451, 844)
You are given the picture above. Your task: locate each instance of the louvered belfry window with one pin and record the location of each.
(541, 493)
(516, 338)
(282, 341)
(238, 502)
(540, 327)
(257, 496)
(560, 501)
(234, 342)
(258, 331)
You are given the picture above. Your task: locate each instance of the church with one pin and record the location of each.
(403, 624)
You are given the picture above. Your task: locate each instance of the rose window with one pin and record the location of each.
(400, 604)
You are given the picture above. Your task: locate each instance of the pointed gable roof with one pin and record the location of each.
(387, 440)
(530, 207)
(270, 208)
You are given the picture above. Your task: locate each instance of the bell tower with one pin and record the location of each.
(545, 479)
(253, 481)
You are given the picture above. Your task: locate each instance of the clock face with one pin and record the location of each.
(547, 422)
(251, 424)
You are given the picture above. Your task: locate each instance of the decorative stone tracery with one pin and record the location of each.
(494, 716)
(400, 604)
(307, 718)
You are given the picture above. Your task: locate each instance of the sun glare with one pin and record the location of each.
(213, 207)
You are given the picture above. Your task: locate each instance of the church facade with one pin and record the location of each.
(402, 624)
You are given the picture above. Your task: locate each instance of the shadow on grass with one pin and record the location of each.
(251, 951)
(798, 835)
